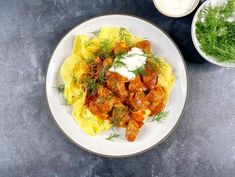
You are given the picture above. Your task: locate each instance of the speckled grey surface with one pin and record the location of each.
(203, 145)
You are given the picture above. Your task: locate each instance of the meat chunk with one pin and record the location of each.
(150, 78)
(144, 45)
(116, 83)
(107, 63)
(105, 103)
(121, 47)
(138, 101)
(157, 99)
(105, 99)
(120, 115)
(95, 110)
(136, 85)
(132, 130)
(138, 116)
(95, 66)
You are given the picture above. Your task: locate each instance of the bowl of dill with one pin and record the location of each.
(213, 32)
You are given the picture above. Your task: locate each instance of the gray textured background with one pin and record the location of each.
(30, 144)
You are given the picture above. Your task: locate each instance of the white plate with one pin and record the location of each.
(197, 44)
(152, 133)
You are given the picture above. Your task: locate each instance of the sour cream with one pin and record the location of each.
(176, 8)
(133, 60)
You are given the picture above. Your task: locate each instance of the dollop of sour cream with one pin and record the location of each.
(175, 7)
(132, 60)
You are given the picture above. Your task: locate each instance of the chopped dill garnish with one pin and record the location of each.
(104, 48)
(160, 116)
(160, 64)
(96, 32)
(89, 61)
(154, 63)
(80, 95)
(116, 121)
(123, 35)
(60, 88)
(66, 102)
(139, 71)
(215, 33)
(118, 63)
(135, 54)
(88, 44)
(101, 75)
(74, 79)
(91, 85)
(112, 136)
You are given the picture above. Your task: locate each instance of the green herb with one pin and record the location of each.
(160, 116)
(123, 35)
(80, 95)
(119, 112)
(74, 78)
(88, 44)
(135, 54)
(116, 121)
(104, 48)
(118, 63)
(139, 71)
(96, 32)
(101, 76)
(154, 63)
(60, 88)
(112, 136)
(160, 64)
(215, 33)
(89, 61)
(66, 102)
(91, 85)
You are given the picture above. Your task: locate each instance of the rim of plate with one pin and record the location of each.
(197, 44)
(157, 143)
(196, 2)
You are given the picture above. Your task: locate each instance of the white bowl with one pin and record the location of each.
(152, 133)
(197, 44)
(194, 5)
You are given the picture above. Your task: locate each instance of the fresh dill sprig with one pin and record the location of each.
(66, 102)
(116, 121)
(139, 71)
(161, 64)
(96, 32)
(112, 136)
(88, 44)
(118, 63)
(104, 48)
(215, 33)
(74, 78)
(60, 88)
(160, 116)
(101, 75)
(154, 63)
(123, 35)
(91, 85)
(80, 95)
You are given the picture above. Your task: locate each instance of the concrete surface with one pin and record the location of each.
(203, 145)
